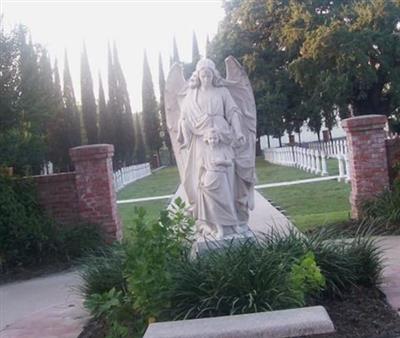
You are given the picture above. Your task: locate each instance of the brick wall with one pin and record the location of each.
(393, 157)
(57, 195)
(85, 195)
(367, 158)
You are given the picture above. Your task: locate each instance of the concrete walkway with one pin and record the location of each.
(391, 273)
(49, 307)
(46, 307)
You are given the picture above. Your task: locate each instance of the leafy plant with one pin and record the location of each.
(384, 210)
(306, 277)
(152, 251)
(28, 237)
(102, 269)
(113, 306)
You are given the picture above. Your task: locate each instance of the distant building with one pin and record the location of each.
(306, 135)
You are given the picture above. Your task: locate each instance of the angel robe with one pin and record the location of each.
(218, 113)
(216, 206)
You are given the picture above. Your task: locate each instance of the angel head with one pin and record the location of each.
(212, 137)
(205, 74)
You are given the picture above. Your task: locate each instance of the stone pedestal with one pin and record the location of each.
(95, 190)
(367, 159)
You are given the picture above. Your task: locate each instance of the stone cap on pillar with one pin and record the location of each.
(364, 122)
(90, 152)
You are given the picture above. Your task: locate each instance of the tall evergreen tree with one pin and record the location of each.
(72, 115)
(207, 46)
(35, 101)
(195, 50)
(105, 122)
(58, 132)
(164, 127)
(175, 53)
(88, 100)
(151, 119)
(124, 106)
(140, 149)
(114, 112)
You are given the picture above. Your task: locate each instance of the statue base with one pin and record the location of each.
(205, 243)
(264, 219)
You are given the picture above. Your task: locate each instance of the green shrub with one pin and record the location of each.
(384, 211)
(28, 237)
(346, 263)
(152, 251)
(154, 274)
(249, 277)
(114, 307)
(102, 270)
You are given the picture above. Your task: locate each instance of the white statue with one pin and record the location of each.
(212, 124)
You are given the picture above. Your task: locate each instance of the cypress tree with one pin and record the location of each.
(88, 100)
(58, 138)
(195, 50)
(207, 46)
(126, 119)
(140, 150)
(164, 127)
(175, 53)
(105, 122)
(151, 119)
(72, 117)
(114, 112)
(34, 103)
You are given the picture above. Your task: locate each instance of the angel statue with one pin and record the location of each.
(212, 125)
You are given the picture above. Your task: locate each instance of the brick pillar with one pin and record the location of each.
(95, 188)
(367, 158)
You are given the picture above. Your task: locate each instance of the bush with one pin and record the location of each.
(153, 250)
(155, 275)
(384, 211)
(253, 276)
(102, 270)
(27, 237)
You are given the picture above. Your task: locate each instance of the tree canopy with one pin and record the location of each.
(310, 60)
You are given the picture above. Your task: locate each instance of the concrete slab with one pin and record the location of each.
(391, 273)
(274, 324)
(45, 307)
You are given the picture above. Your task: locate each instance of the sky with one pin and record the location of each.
(134, 25)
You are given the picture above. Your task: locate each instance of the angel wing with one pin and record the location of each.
(174, 93)
(239, 86)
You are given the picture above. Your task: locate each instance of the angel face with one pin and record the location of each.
(206, 76)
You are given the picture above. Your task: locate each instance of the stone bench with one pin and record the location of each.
(284, 323)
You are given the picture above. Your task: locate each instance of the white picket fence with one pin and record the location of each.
(310, 160)
(331, 148)
(126, 175)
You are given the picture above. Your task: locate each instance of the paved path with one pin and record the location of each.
(45, 307)
(391, 273)
(48, 307)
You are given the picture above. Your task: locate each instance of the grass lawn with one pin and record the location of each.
(309, 205)
(271, 173)
(313, 205)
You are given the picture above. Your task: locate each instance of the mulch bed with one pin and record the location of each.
(362, 313)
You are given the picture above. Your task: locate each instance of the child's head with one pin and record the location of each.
(211, 136)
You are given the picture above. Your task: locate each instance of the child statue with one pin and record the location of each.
(216, 205)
